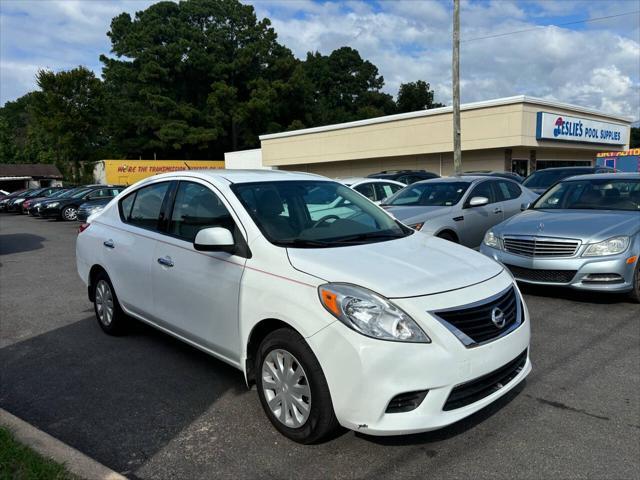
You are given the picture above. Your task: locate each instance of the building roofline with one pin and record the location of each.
(438, 111)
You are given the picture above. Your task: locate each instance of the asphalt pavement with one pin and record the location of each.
(149, 406)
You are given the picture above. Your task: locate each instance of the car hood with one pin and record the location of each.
(587, 225)
(415, 265)
(416, 213)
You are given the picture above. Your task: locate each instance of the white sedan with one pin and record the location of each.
(374, 189)
(340, 318)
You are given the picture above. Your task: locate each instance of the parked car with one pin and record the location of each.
(4, 201)
(495, 173)
(584, 233)
(348, 319)
(375, 189)
(91, 207)
(458, 209)
(30, 205)
(67, 208)
(540, 180)
(404, 176)
(48, 193)
(15, 205)
(36, 206)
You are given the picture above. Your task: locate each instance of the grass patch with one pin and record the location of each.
(18, 462)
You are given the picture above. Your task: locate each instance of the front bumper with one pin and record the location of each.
(365, 374)
(50, 212)
(586, 269)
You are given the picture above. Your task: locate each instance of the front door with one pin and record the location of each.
(196, 294)
(477, 220)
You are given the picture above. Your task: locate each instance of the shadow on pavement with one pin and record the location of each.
(119, 400)
(20, 242)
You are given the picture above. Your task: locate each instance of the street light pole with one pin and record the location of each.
(455, 73)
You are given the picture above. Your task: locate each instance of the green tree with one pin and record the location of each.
(67, 113)
(194, 79)
(414, 96)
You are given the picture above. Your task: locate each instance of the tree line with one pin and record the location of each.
(192, 80)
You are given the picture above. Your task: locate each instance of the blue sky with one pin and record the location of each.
(595, 64)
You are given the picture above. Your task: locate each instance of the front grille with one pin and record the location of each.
(482, 387)
(474, 324)
(405, 402)
(545, 276)
(540, 247)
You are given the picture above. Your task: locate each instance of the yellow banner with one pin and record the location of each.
(128, 172)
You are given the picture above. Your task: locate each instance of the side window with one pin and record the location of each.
(483, 190)
(95, 194)
(507, 190)
(197, 207)
(146, 205)
(384, 190)
(366, 189)
(404, 179)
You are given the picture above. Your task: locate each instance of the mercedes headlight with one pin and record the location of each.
(370, 314)
(611, 246)
(492, 240)
(53, 205)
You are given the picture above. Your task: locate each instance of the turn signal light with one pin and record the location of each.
(632, 260)
(83, 227)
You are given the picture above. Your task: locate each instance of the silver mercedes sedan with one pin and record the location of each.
(584, 232)
(460, 209)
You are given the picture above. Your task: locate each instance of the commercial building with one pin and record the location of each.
(627, 161)
(519, 134)
(16, 176)
(128, 172)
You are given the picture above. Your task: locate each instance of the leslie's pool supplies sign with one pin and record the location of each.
(553, 126)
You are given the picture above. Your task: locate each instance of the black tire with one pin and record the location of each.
(635, 293)
(69, 214)
(118, 321)
(448, 236)
(321, 423)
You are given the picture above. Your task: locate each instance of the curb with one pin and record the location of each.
(76, 462)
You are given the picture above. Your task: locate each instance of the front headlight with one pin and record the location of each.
(416, 226)
(611, 246)
(18, 201)
(53, 205)
(36, 205)
(492, 240)
(370, 314)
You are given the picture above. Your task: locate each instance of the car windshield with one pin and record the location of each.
(592, 194)
(429, 194)
(34, 193)
(316, 214)
(58, 194)
(546, 178)
(79, 193)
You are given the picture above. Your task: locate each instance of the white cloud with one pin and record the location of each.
(592, 64)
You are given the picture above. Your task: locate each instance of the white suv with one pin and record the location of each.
(341, 316)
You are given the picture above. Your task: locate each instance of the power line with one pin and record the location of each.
(552, 25)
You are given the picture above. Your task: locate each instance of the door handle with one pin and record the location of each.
(497, 210)
(109, 243)
(165, 261)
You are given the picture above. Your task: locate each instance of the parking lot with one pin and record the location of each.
(150, 406)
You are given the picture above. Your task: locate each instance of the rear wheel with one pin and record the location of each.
(70, 214)
(110, 316)
(292, 388)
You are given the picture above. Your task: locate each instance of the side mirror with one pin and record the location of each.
(214, 239)
(524, 206)
(478, 201)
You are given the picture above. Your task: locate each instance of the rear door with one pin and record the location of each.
(196, 294)
(385, 190)
(129, 249)
(510, 197)
(477, 220)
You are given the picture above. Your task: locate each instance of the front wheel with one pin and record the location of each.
(292, 388)
(70, 214)
(448, 236)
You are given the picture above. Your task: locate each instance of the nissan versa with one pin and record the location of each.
(340, 316)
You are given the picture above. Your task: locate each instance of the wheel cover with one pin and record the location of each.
(70, 213)
(286, 388)
(104, 303)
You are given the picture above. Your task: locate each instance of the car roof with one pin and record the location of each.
(605, 176)
(577, 168)
(242, 176)
(453, 178)
(354, 180)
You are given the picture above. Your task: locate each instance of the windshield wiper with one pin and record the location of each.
(298, 242)
(368, 236)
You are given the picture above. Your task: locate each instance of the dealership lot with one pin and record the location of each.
(151, 407)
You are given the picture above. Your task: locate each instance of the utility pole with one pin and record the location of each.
(455, 73)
